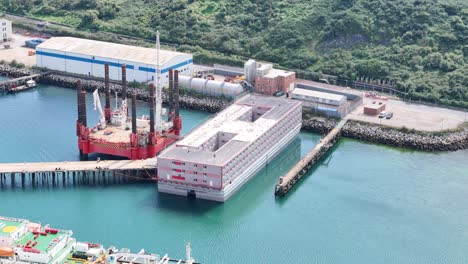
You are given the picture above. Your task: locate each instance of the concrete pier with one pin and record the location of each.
(88, 172)
(7, 85)
(287, 182)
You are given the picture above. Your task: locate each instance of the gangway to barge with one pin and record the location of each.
(86, 170)
(287, 182)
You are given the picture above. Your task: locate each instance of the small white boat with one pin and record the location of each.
(29, 85)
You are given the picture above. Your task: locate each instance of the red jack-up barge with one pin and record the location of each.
(113, 136)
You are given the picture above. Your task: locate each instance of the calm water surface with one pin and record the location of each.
(363, 204)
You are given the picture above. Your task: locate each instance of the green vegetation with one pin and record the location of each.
(14, 63)
(420, 45)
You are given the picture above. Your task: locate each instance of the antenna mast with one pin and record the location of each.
(158, 87)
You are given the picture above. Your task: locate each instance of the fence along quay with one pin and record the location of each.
(86, 172)
(287, 182)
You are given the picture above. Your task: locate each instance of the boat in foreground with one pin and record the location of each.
(24, 242)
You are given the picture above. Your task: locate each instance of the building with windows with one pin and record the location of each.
(219, 157)
(269, 80)
(6, 32)
(87, 57)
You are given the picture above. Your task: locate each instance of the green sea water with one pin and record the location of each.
(363, 203)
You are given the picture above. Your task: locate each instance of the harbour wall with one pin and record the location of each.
(447, 141)
(13, 72)
(205, 103)
(422, 141)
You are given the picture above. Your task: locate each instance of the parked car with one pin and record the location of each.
(382, 114)
(279, 93)
(32, 43)
(389, 115)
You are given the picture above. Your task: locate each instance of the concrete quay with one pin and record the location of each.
(77, 171)
(287, 182)
(14, 85)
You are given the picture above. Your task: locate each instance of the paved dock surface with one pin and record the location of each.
(43, 167)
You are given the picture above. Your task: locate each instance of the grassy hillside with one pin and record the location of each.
(422, 45)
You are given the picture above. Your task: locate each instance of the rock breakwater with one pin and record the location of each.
(422, 141)
(14, 72)
(207, 104)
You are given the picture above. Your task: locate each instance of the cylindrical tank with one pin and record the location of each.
(232, 89)
(198, 84)
(184, 81)
(209, 87)
(214, 87)
(6, 252)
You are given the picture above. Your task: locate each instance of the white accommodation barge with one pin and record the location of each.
(224, 153)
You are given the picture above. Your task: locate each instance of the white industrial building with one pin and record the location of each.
(6, 32)
(87, 57)
(327, 103)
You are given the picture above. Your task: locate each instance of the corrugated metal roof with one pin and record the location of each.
(109, 50)
(317, 94)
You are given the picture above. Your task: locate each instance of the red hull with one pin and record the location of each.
(89, 145)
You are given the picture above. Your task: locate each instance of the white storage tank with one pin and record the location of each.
(209, 87)
(250, 68)
(232, 89)
(214, 87)
(184, 81)
(198, 84)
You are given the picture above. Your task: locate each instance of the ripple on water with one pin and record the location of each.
(363, 204)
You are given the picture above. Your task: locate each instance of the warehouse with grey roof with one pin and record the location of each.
(87, 57)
